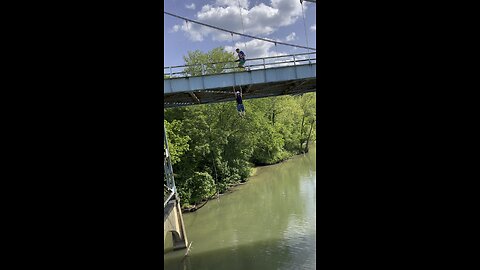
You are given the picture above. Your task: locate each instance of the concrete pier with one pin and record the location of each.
(173, 222)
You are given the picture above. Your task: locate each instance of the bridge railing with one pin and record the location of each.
(251, 64)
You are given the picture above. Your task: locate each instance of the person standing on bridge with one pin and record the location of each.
(240, 108)
(241, 58)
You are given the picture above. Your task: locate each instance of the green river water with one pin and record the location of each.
(268, 223)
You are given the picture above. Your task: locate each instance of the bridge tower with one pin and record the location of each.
(172, 213)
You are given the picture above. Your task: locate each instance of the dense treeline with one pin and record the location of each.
(213, 148)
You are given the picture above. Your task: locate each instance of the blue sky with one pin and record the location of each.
(274, 19)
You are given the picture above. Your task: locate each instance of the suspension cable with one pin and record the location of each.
(240, 34)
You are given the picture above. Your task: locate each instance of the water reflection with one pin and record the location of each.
(266, 254)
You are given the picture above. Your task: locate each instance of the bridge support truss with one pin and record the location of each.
(172, 213)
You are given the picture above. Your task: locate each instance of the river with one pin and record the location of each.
(268, 223)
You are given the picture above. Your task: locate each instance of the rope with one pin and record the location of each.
(240, 34)
(216, 176)
(213, 160)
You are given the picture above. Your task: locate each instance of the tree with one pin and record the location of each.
(201, 185)
(177, 144)
(214, 61)
(307, 103)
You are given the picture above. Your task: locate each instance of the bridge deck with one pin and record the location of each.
(288, 78)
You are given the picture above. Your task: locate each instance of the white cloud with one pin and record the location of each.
(194, 30)
(191, 6)
(260, 20)
(255, 49)
(234, 3)
(291, 37)
(313, 27)
(258, 49)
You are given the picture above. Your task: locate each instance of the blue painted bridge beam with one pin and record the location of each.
(276, 81)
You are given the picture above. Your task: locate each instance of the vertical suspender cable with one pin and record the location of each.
(233, 44)
(243, 28)
(305, 27)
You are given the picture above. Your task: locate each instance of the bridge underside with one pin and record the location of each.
(276, 81)
(224, 94)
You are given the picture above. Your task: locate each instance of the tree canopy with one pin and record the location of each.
(215, 61)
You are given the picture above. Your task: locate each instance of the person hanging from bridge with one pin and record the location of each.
(241, 58)
(240, 107)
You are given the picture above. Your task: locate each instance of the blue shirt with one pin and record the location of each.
(239, 99)
(241, 55)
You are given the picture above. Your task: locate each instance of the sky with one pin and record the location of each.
(272, 19)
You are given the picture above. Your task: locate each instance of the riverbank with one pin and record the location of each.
(230, 189)
(269, 223)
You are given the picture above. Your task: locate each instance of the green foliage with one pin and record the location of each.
(201, 186)
(178, 144)
(215, 61)
(307, 104)
(213, 148)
